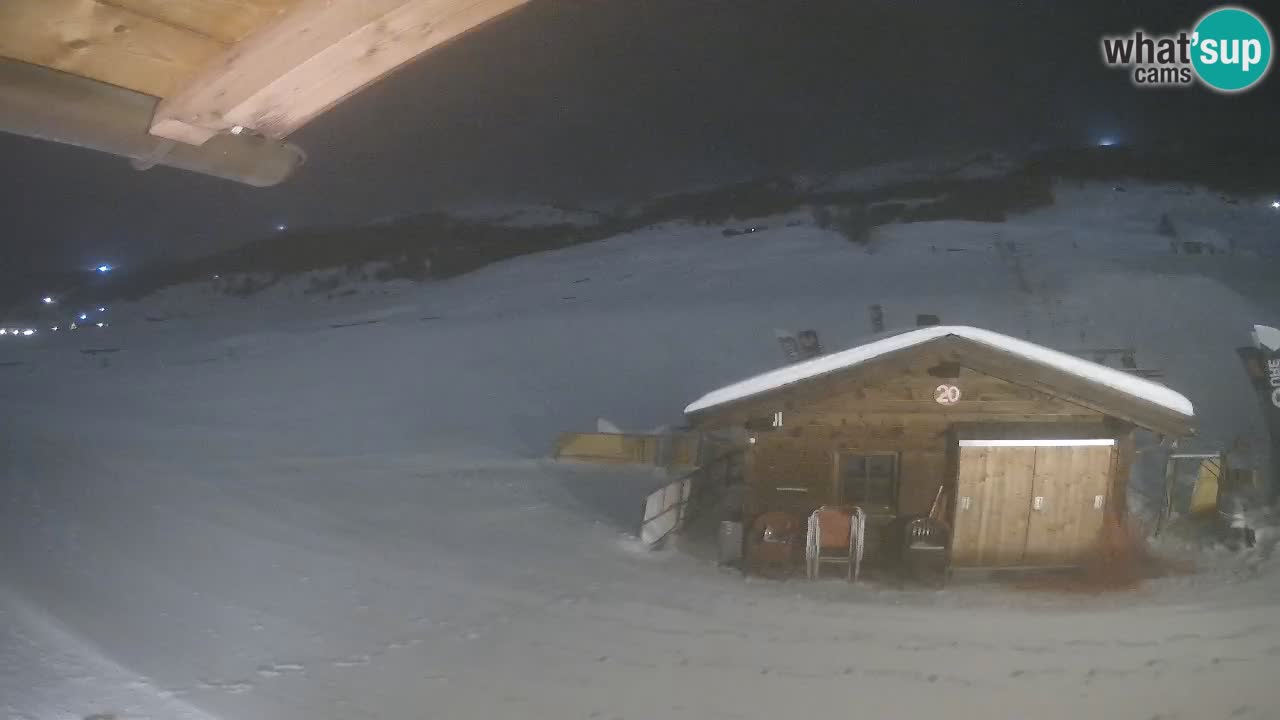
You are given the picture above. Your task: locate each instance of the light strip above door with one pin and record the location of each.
(1065, 442)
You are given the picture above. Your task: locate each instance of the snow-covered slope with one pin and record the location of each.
(306, 505)
(527, 215)
(931, 167)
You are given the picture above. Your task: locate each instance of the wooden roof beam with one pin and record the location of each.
(319, 53)
(1074, 389)
(101, 41)
(60, 107)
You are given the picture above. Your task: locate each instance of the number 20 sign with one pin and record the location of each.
(947, 394)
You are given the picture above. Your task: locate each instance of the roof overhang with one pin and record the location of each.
(242, 67)
(1106, 390)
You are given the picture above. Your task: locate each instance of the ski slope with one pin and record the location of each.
(291, 506)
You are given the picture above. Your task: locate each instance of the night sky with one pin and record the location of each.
(602, 101)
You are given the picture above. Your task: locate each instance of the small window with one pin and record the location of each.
(868, 479)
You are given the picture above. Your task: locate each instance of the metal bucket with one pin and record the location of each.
(730, 542)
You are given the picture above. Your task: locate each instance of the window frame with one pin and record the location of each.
(838, 476)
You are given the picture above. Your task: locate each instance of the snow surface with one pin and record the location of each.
(1266, 337)
(526, 215)
(799, 372)
(294, 507)
(928, 167)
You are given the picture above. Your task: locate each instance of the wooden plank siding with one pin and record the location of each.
(966, 540)
(675, 451)
(607, 448)
(1069, 524)
(1072, 388)
(898, 415)
(998, 523)
(1121, 466)
(897, 385)
(1060, 393)
(992, 530)
(887, 405)
(788, 476)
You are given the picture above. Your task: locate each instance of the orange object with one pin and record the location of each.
(835, 535)
(774, 544)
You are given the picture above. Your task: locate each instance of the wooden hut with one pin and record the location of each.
(1022, 450)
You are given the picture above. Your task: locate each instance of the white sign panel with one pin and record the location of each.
(947, 394)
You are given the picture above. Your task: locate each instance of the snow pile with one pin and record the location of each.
(1109, 377)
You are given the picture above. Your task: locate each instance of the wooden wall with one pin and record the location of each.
(998, 525)
(676, 451)
(888, 410)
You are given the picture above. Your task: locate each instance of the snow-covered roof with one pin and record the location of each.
(1266, 338)
(1112, 378)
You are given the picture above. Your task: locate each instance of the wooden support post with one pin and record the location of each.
(1169, 474)
(877, 318)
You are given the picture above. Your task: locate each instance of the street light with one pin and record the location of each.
(47, 300)
(104, 268)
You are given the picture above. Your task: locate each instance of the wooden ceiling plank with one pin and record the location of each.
(318, 54)
(228, 21)
(105, 43)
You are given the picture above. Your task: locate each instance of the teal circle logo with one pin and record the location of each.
(1231, 49)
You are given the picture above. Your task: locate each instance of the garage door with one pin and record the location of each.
(1029, 502)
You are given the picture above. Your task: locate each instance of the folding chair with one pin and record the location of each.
(836, 536)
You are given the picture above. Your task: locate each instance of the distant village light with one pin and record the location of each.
(103, 268)
(47, 300)
(1276, 204)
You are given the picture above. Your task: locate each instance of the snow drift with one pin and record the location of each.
(302, 506)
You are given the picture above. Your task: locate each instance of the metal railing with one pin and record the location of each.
(669, 508)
